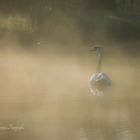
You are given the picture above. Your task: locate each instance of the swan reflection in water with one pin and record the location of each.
(99, 82)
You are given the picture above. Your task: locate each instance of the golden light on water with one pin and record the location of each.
(46, 92)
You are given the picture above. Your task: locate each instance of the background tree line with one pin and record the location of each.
(34, 6)
(89, 17)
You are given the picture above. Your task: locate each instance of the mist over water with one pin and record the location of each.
(45, 91)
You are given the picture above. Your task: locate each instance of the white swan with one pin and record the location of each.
(99, 82)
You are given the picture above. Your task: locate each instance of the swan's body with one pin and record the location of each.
(99, 82)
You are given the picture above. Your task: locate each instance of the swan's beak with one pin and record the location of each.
(94, 49)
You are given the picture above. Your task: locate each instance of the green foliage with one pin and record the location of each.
(41, 18)
(16, 23)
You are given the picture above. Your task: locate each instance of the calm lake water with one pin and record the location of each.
(46, 97)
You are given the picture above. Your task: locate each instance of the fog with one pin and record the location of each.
(45, 92)
(46, 64)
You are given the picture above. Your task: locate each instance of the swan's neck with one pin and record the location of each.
(101, 53)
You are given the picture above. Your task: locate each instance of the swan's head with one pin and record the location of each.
(98, 49)
(99, 84)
